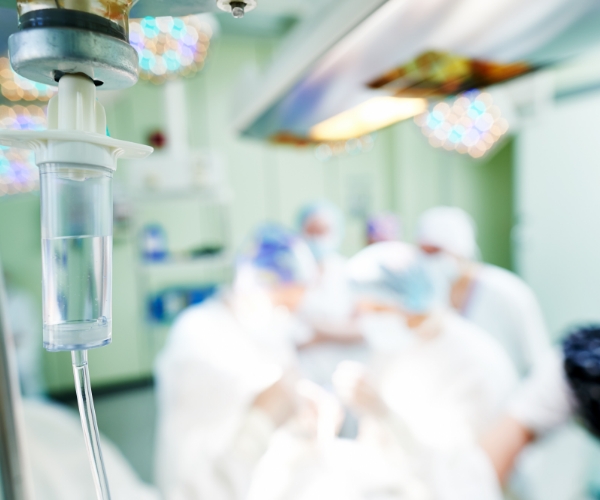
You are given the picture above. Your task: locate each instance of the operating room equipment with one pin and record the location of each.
(76, 161)
(14, 481)
(79, 45)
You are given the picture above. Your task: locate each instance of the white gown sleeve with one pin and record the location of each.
(536, 340)
(236, 466)
(59, 462)
(544, 401)
(464, 474)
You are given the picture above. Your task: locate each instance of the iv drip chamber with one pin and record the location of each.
(76, 205)
(76, 161)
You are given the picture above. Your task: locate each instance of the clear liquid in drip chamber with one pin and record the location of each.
(76, 204)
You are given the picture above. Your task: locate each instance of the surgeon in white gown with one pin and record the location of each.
(436, 383)
(328, 311)
(566, 383)
(226, 379)
(495, 299)
(433, 387)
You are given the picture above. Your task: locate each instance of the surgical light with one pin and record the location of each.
(18, 173)
(169, 47)
(470, 124)
(372, 115)
(17, 88)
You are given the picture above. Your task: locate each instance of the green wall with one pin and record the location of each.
(424, 177)
(402, 173)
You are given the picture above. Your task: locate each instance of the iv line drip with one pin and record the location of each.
(77, 160)
(85, 402)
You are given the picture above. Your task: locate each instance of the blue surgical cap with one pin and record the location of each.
(393, 273)
(327, 211)
(384, 227)
(274, 254)
(413, 287)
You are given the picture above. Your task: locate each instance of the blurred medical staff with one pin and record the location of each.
(57, 456)
(328, 308)
(562, 385)
(495, 299)
(385, 226)
(225, 380)
(437, 383)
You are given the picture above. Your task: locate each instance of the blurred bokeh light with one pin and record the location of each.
(470, 124)
(17, 88)
(169, 47)
(18, 173)
(328, 150)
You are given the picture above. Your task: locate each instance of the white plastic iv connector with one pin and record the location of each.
(76, 161)
(76, 130)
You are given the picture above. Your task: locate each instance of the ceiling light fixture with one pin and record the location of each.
(371, 115)
(169, 47)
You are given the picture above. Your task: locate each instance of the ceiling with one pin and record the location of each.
(319, 74)
(270, 18)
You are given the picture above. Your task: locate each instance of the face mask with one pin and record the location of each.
(444, 270)
(322, 246)
(442, 266)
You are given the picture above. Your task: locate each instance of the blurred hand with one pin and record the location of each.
(344, 334)
(279, 401)
(365, 306)
(353, 387)
(321, 416)
(503, 443)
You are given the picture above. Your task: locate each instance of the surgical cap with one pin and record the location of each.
(582, 368)
(383, 227)
(275, 255)
(328, 216)
(449, 228)
(393, 273)
(324, 210)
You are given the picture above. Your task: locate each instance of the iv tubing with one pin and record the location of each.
(88, 422)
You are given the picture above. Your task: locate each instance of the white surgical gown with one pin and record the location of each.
(329, 304)
(354, 470)
(447, 389)
(56, 452)
(442, 393)
(557, 465)
(503, 305)
(211, 370)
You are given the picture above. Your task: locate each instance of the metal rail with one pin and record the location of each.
(14, 480)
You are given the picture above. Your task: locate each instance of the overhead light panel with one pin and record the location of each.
(372, 115)
(443, 74)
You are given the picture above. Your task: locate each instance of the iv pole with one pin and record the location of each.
(14, 480)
